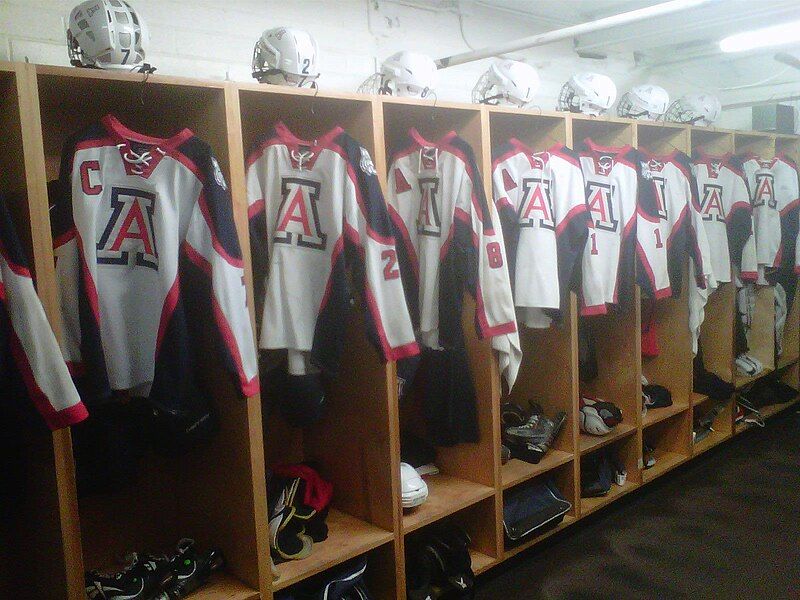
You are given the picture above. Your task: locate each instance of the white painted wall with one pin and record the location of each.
(214, 39)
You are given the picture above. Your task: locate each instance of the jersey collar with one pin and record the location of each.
(297, 146)
(123, 136)
(422, 142)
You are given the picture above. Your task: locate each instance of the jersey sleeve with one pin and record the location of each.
(741, 236)
(212, 244)
(699, 247)
(68, 260)
(505, 190)
(257, 225)
(368, 230)
(571, 220)
(651, 249)
(33, 345)
(487, 277)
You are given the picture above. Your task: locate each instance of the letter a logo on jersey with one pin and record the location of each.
(129, 231)
(429, 221)
(765, 190)
(711, 204)
(660, 186)
(536, 209)
(598, 199)
(298, 217)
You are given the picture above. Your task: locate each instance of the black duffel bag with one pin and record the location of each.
(532, 509)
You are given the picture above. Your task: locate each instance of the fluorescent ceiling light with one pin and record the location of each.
(776, 35)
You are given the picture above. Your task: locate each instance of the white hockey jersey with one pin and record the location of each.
(28, 348)
(540, 200)
(315, 208)
(727, 216)
(774, 195)
(681, 221)
(625, 222)
(130, 209)
(451, 239)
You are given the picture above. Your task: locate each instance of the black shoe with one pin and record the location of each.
(143, 579)
(191, 569)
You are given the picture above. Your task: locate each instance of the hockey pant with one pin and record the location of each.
(444, 383)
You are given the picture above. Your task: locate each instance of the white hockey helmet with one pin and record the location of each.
(507, 82)
(694, 109)
(647, 102)
(107, 34)
(587, 93)
(403, 74)
(286, 56)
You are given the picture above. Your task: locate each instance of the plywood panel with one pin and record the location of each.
(716, 333)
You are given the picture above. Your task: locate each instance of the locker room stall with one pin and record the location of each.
(353, 444)
(762, 332)
(211, 492)
(549, 370)
(35, 538)
(672, 367)
(217, 493)
(617, 338)
(468, 471)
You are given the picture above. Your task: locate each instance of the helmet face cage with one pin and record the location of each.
(678, 112)
(566, 98)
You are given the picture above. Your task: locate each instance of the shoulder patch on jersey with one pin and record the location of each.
(645, 170)
(400, 183)
(218, 176)
(366, 162)
(508, 181)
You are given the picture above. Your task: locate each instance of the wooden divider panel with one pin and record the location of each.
(208, 493)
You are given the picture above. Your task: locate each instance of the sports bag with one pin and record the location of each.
(532, 508)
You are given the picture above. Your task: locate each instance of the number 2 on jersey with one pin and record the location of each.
(390, 270)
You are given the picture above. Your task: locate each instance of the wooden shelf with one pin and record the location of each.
(766, 413)
(568, 520)
(787, 361)
(698, 398)
(590, 443)
(654, 415)
(481, 562)
(589, 505)
(665, 461)
(446, 495)
(348, 537)
(714, 438)
(516, 471)
(222, 586)
(739, 382)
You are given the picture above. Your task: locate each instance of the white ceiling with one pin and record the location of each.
(685, 43)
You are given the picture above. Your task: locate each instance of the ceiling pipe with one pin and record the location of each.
(548, 37)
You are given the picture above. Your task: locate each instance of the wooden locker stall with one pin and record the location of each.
(354, 445)
(469, 471)
(211, 492)
(672, 366)
(38, 541)
(548, 374)
(617, 335)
